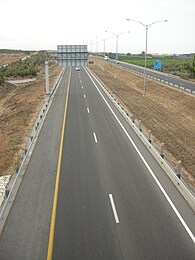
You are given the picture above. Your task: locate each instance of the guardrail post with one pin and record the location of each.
(139, 126)
(162, 150)
(178, 171)
(7, 193)
(133, 118)
(149, 136)
(17, 168)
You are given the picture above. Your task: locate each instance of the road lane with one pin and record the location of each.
(111, 150)
(108, 131)
(85, 227)
(147, 166)
(83, 214)
(53, 218)
(26, 232)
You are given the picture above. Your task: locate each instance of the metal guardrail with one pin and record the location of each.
(179, 87)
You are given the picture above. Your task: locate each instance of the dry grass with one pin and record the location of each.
(7, 58)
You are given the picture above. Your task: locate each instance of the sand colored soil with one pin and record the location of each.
(168, 113)
(19, 108)
(7, 58)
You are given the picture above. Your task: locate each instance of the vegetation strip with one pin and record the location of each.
(182, 66)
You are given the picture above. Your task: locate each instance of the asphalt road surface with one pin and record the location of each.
(94, 191)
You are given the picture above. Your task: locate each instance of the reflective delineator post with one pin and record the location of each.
(178, 170)
(149, 136)
(162, 150)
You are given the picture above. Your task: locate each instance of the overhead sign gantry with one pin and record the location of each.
(72, 55)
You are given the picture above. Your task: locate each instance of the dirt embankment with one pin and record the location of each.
(7, 58)
(19, 108)
(168, 113)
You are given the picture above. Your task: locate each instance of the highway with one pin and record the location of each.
(92, 190)
(160, 76)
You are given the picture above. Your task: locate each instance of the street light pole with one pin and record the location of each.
(146, 49)
(97, 48)
(116, 35)
(104, 40)
(117, 47)
(104, 43)
(91, 47)
(146, 26)
(47, 74)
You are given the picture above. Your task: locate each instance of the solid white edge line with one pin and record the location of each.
(88, 110)
(147, 166)
(114, 208)
(95, 138)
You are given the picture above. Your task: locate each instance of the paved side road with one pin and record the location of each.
(175, 81)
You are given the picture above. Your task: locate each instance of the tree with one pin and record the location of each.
(33, 72)
(143, 53)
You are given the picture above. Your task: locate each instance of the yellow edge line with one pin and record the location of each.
(53, 218)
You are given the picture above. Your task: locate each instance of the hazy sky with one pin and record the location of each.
(41, 24)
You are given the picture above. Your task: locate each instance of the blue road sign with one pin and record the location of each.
(157, 65)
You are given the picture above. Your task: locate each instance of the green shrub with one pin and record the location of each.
(28, 67)
(2, 79)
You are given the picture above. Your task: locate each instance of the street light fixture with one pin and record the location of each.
(117, 35)
(146, 26)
